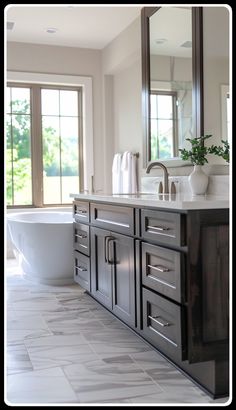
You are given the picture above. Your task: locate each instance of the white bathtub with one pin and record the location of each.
(44, 241)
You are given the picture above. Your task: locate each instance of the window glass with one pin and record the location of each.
(50, 102)
(55, 126)
(18, 155)
(68, 103)
(163, 125)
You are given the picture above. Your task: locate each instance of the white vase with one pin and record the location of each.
(198, 181)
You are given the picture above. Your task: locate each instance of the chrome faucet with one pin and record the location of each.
(165, 174)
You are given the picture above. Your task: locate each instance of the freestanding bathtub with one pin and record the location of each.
(44, 241)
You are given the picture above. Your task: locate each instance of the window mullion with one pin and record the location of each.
(37, 163)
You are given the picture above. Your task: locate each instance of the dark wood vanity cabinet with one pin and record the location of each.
(112, 272)
(165, 274)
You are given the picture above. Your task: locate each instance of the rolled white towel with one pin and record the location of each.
(124, 162)
(116, 174)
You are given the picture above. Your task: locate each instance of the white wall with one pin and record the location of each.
(67, 61)
(124, 50)
(127, 108)
(122, 67)
(161, 68)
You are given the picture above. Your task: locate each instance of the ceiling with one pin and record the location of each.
(90, 26)
(173, 25)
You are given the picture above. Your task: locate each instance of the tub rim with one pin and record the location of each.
(13, 217)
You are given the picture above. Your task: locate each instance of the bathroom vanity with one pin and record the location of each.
(160, 263)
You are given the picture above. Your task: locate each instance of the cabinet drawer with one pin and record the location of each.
(116, 218)
(82, 270)
(164, 325)
(163, 227)
(81, 211)
(163, 271)
(81, 238)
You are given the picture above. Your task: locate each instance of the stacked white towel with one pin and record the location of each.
(129, 173)
(117, 174)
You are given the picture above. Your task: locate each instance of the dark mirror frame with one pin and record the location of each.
(197, 77)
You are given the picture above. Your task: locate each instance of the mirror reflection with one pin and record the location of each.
(216, 66)
(170, 38)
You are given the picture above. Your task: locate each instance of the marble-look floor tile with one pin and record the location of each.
(40, 386)
(21, 335)
(149, 360)
(16, 296)
(17, 359)
(115, 335)
(72, 321)
(53, 356)
(27, 321)
(64, 347)
(116, 359)
(112, 323)
(57, 340)
(10, 315)
(98, 381)
(46, 303)
(119, 347)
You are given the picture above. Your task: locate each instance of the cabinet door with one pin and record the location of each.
(121, 255)
(101, 275)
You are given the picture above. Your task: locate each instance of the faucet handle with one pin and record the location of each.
(173, 188)
(160, 188)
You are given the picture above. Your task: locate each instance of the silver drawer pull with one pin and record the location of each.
(81, 268)
(158, 322)
(80, 236)
(160, 268)
(81, 211)
(158, 228)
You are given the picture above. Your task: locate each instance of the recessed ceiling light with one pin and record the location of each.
(160, 40)
(187, 44)
(51, 30)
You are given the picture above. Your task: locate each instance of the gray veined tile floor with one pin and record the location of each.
(63, 347)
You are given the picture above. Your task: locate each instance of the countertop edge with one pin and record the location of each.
(174, 202)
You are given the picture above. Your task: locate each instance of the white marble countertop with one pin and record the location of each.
(172, 201)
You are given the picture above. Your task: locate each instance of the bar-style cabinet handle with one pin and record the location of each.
(81, 211)
(81, 268)
(110, 239)
(105, 248)
(158, 228)
(160, 268)
(158, 321)
(80, 236)
(107, 240)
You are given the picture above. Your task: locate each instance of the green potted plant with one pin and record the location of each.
(220, 151)
(197, 155)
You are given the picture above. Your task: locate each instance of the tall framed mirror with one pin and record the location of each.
(172, 81)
